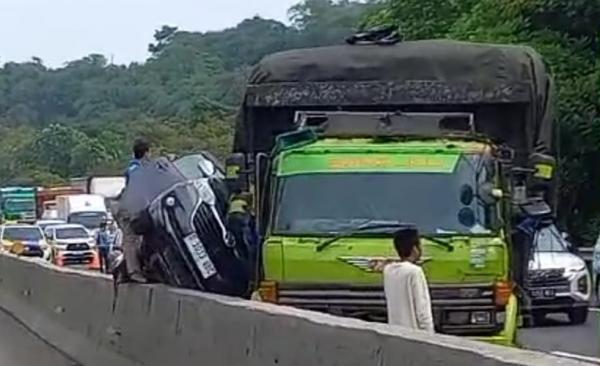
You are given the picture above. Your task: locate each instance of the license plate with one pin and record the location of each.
(548, 293)
(198, 251)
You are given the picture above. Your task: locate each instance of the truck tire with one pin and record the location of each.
(578, 316)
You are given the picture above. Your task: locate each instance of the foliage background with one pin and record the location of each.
(81, 118)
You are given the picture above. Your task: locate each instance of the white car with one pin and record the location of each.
(43, 224)
(558, 281)
(71, 244)
(25, 240)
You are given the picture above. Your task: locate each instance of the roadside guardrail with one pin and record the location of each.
(154, 325)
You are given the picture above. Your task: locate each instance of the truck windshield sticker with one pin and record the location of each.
(315, 163)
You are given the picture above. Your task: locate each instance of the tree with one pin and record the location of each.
(163, 37)
(81, 118)
(566, 34)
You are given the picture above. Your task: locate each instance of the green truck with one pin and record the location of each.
(340, 146)
(18, 203)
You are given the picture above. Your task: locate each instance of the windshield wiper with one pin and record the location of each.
(369, 225)
(374, 225)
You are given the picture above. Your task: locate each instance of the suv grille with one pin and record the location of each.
(78, 247)
(547, 278)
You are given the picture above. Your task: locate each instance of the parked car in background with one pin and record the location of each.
(43, 224)
(24, 240)
(72, 244)
(558, 281)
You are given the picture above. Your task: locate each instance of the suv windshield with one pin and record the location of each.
(22, 234)
(91, 220)
(549, 239)
(71, 233)
(327, 203)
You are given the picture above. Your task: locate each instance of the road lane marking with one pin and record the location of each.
(595, 310)
(577, 357)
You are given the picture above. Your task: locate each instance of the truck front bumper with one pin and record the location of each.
(458, 310)
(508, 335)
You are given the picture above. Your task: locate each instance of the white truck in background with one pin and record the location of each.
(107, 187)
(88, 210)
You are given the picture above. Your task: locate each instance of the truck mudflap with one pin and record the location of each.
(508, 336)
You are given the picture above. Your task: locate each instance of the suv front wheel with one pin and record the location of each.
(578, 315)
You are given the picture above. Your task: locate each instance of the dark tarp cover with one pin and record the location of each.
(507, 82)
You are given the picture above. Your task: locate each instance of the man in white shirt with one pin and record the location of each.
(406, 290)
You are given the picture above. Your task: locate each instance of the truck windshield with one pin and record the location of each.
(22, 234)
(327, 203)
(90, 220)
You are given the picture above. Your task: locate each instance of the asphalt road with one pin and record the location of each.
(19, 347)
(558, 337)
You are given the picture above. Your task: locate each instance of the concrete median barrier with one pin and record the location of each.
(155, 325)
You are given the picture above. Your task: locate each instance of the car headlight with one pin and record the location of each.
(582, 285)
(576, 269)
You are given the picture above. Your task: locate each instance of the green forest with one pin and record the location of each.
(80, 119)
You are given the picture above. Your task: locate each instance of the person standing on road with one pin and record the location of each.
(406, 290)
(117, 233)
(103, 243)
(596, 270)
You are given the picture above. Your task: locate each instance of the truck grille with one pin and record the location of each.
(77, 247)
(368, 302)
(364, 302)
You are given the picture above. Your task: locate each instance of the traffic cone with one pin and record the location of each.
(95, 261)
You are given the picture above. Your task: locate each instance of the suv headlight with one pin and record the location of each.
(583, 285)
(576, 269)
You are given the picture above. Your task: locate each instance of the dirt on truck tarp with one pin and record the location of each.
(507, 87)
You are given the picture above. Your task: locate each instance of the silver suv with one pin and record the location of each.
(558, 281)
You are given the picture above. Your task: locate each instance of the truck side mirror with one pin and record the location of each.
(236, 175)
(489, 194)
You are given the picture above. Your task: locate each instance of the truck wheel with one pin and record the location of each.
(578, 316)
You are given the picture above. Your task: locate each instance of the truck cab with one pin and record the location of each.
(341, 146)
(18, 203)
(338, 197)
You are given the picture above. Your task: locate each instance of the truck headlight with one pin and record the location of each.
(481, 317)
